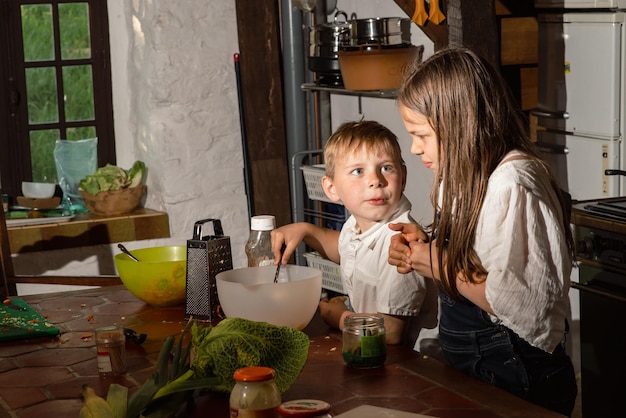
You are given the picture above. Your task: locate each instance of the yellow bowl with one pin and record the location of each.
(158, 278)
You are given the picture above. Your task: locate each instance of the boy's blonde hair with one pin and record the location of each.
(352, 137)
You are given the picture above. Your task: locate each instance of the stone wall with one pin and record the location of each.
(175, 107)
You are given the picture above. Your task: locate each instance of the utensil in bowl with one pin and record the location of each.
(250, 293)
(277, 273)
(125, 251)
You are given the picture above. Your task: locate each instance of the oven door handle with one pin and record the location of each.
(596, 291)
(549, 115)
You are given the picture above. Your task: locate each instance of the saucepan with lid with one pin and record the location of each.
(325, 41)
(386, 31)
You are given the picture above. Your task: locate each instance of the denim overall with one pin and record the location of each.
(491, 352)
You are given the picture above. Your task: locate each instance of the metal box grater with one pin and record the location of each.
(206, 257)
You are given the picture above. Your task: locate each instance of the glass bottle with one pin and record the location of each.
(255, 394)
(259, 245)
(364, 341)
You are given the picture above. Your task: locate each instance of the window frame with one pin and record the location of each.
(15, 156)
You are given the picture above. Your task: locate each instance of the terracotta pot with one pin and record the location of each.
(116, 202)
(378, 68)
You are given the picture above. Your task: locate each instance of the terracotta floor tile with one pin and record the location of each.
(15, 348)
(162, 314)
(88, 367)
(66, 408)
(72, 388)
(73, 340)
(33, 376)
(438, 397)
(58, 357)
(121, 296)
(121, 308)
(316, 391)
(20, 397)
(70, 303)
(7, 364)
(388, 385)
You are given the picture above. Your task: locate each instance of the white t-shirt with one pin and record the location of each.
(374, 285)
(520, 242)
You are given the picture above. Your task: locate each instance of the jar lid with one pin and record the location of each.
(254, 374)
(303, 408)
(262, 223)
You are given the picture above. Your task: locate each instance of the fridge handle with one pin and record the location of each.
(552, 149)
(551, 115)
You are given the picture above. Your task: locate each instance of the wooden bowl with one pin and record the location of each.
(116, 202)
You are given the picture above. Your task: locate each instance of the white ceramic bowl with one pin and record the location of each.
(251, 293)
(35, 190)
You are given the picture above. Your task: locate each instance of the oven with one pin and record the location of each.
(600, 230)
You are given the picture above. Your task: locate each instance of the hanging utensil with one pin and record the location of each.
(125, 251)
(435, 15)
(419, 16)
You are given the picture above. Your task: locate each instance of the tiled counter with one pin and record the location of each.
(43, 377)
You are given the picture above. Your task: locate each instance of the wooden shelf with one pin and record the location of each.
(384, 94)
(86, 229)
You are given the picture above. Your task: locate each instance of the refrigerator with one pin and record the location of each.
(581, 118)
(581, 110)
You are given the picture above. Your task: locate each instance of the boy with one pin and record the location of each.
(365, 172)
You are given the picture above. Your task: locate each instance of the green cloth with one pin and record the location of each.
(18, 324)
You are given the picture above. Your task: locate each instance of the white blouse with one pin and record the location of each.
(520, 242)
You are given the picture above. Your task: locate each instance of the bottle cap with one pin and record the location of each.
(303, 408)
(262, 223)
(254, 374)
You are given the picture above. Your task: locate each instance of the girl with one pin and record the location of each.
(501, 248)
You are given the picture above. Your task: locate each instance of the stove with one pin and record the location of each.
(600, 233)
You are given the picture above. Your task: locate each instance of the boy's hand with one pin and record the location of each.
(285, 240)
(332, 310)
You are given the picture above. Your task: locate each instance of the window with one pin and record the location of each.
(57, 84)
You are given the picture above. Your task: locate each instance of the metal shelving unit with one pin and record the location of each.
(314, 207)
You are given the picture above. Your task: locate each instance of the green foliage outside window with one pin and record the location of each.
(55, 92)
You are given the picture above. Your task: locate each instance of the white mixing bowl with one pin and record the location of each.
(251, 293)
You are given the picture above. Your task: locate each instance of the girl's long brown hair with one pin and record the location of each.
(477, 123)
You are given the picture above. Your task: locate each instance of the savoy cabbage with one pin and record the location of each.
(235, 343)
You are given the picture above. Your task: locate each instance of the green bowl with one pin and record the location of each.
(158, 278)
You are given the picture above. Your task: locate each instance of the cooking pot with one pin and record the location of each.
(325, 41)
(380, 30)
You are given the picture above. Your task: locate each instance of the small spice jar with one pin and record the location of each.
(255, 394)
(110, 346)
(305, 408)
(364, 341)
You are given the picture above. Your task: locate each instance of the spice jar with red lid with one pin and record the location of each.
(305, 408)
(255, 394)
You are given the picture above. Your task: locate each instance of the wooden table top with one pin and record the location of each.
(43, 376)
